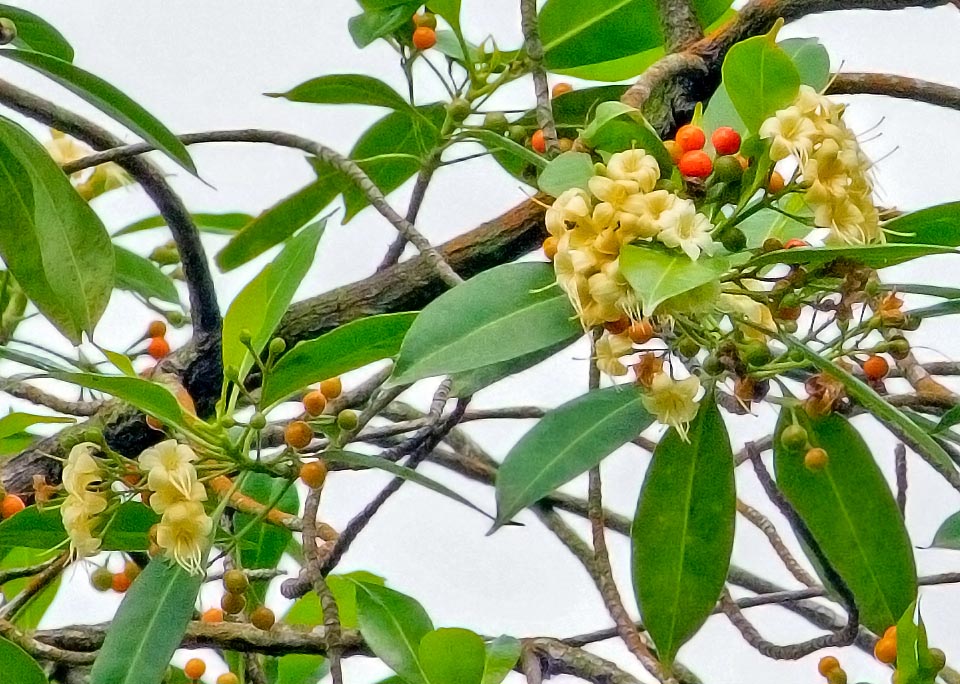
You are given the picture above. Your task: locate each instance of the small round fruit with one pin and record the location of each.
(277, 346)
(726, 141)
(314, 402)
(640, 332)
(561, 89)
(827, 665)
(212, 615)
(899, 348)
(688, 347)
(795, 242)
(565, 144)
(712, 365)
(815, 459)
(298, 434)
(538, 142)
(313, 474)
(695, 164)
(886, 650)
(550, 246)
(517, 133)
(776, 182)
(838, 676)
(674, 149)
(11, 505)
(263, 618)
(158, 347)
(733, 239)
(8, 31)
(876, 368)
(890, 633)
(727, 169)
(428, 19)
(348, 420)
(690, 138)
(194, 668)
(258, 421)
(232, 603)
(101, 579)
(756, 354)
(120, 582)
(156, 329)
(424, 38)
(228, 678)
(771, 245)
(937, 659)
(794, 438)
(131, 570)
(235, 581)
(331, 388)
(496, 121)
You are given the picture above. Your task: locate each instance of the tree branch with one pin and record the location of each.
(534, 50)
(891, 85)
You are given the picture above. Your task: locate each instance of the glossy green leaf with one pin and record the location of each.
(344, 590)
(51, 240)
(33, 33)
(217, 224)
(119, 361)
(109, 100)
(393, 625)
(29, 616)
(908, 661)
(447, 9)
(875, 256)
(682, 534)
(452, 656)
(150, 397)
(937, 225)
(615, 69)
(656, 275)
(128, 528)
(343, 349)
(568, 170)
(948, 420)
(16, 443)
(720, 111)
(502, 654)
(470, 382)
(811, 59)
(261, 304)
(500, 314)
(12, 423)
(377, 23)
(18, 666)
(301, 668)
(760, 78)
(617, 127)
(345, 89)
(267, 541)
(148, 626)
(142, 276)
(567, 442)
(367, 461)
(768, 223)
(948, 534)
(853, 516)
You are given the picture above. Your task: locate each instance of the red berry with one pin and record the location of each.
(886, 650)
(725, 140)
(538, 142)
(158, 348)
(691, 138)
(11, 505)
(695, 164)
(212, 615)
(120, 582)
(876, 368)
(424, 38)
(795, 242)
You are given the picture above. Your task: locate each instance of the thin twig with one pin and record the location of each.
(900, 459)
(893, 85)
(764, 524)
(534, 49)
(24, 390)
(395, 251)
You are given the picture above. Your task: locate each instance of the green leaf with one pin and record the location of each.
(150, 397)
(108, 100)
(343, 349)
(12, 423)
(937, 225)
(393, 625)
(365, 461)
(470, 382)
(18, 666)
(720, 111)
(261, 304)
(448, 10)
(615, 69)
(29, 616)
(301, 668)
(498, 315)
(908, 662)
(344, 590)
(377, 23)
(876, 256)
(119, 361)
(267, 541)
(142, 276)
(811, 59)
(505, 149)
(851, 513)
(682, 534)
(346, 89)
(617, 127)
(33, 33)
(657, 274)
(948, 420)
(148, 627)
(128, 529)
(568, 170)
(502, 654)
(217, 224)
(50, 239)
(452, 656)
(14, 444)
(768, 223)
(948, 534)
(566, 442)
(760, 78)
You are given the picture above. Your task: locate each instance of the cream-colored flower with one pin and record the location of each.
(104, 178)
(754, 311)
(827, 173)
(571, 207)
(81, 469)
(810, 102)
(184, 534)
(635, 165)
(792, 133)
(609, 349)
(845, 221)
(63, 149)
(673, 401)
(171, 474)
(78, 513)
(684, 228)
(648, 209)
(612, 192)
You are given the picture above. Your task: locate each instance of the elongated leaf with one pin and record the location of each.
(498, 315)
(876, 256)
(301, 668)
(657, 274)
(16, 443)
(52, 242)
(267, 542)
(682, 533)
(345, 348)
(148, 627)
(260, 305)
(937, 225)
(150, 397)
(12, 423)
(760, 78)
(505, 147)
(109, 100)
(470, 382)
(364, 461)
(616, 69)
(452, 656)
(377, 23)
(345, 89)
(851, 513)
(448, 10)
(18, 666)
(568, 170)
(33, 33)
(567, 442)
(948, 534)
(142, 276)
(218, 224)
(393, 625)
(948, 420)
(128, 528)
(344, 590)
(502, 654)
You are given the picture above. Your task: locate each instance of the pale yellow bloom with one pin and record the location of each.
(683, 227)
(609, 349)
(634, 165)
(752, 310)
(78, 513)
(827, 173)
(81, 469)
(63, 149)
(184, 534)
(648, 209)
(673, 401)
(810, 102)
(612, 192)
(104, 178)
(171, 474)
(845, 221)
(571, 207)
(792, 133)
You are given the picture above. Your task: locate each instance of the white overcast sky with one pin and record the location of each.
(204, 64)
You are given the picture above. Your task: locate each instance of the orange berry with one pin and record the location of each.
(725, 140)
(674, 149)
(816, 459)
(158, 347)
(120, 582)
(619, 326)
(313, 474)
(263, 618)
(550, 246)
(228, 678)
(538, 142)
(424, 38)
(298, 434)
(695, 164)
(156, 329)
(691, 138)
(561, 89)
(827, 665)
(640, 332)
(331, 388)
(876, 368)
(212, 615)
(886, 650)
(314, 402)
(795, 242)
(11, 505)
(194, 668)
(131, 570)
(776, 182)
(891, 632)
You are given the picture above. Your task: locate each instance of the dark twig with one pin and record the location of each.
(395, 251)
(534, 50)
(892, 85)
(900, 459)
(24, 390)
(763, 523)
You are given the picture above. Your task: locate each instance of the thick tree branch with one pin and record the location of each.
(679, 24)
(891, 85)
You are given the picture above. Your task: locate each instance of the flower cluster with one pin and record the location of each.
(832, 166)
(83, 503)
(106, 177)
(184, 529)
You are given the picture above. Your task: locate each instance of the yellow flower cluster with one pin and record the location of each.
(831, 163)
(106, 177)
(673, 402)
(184, 529)
(82, 504)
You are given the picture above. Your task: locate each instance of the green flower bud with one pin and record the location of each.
(258, 421)
(8, 31)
